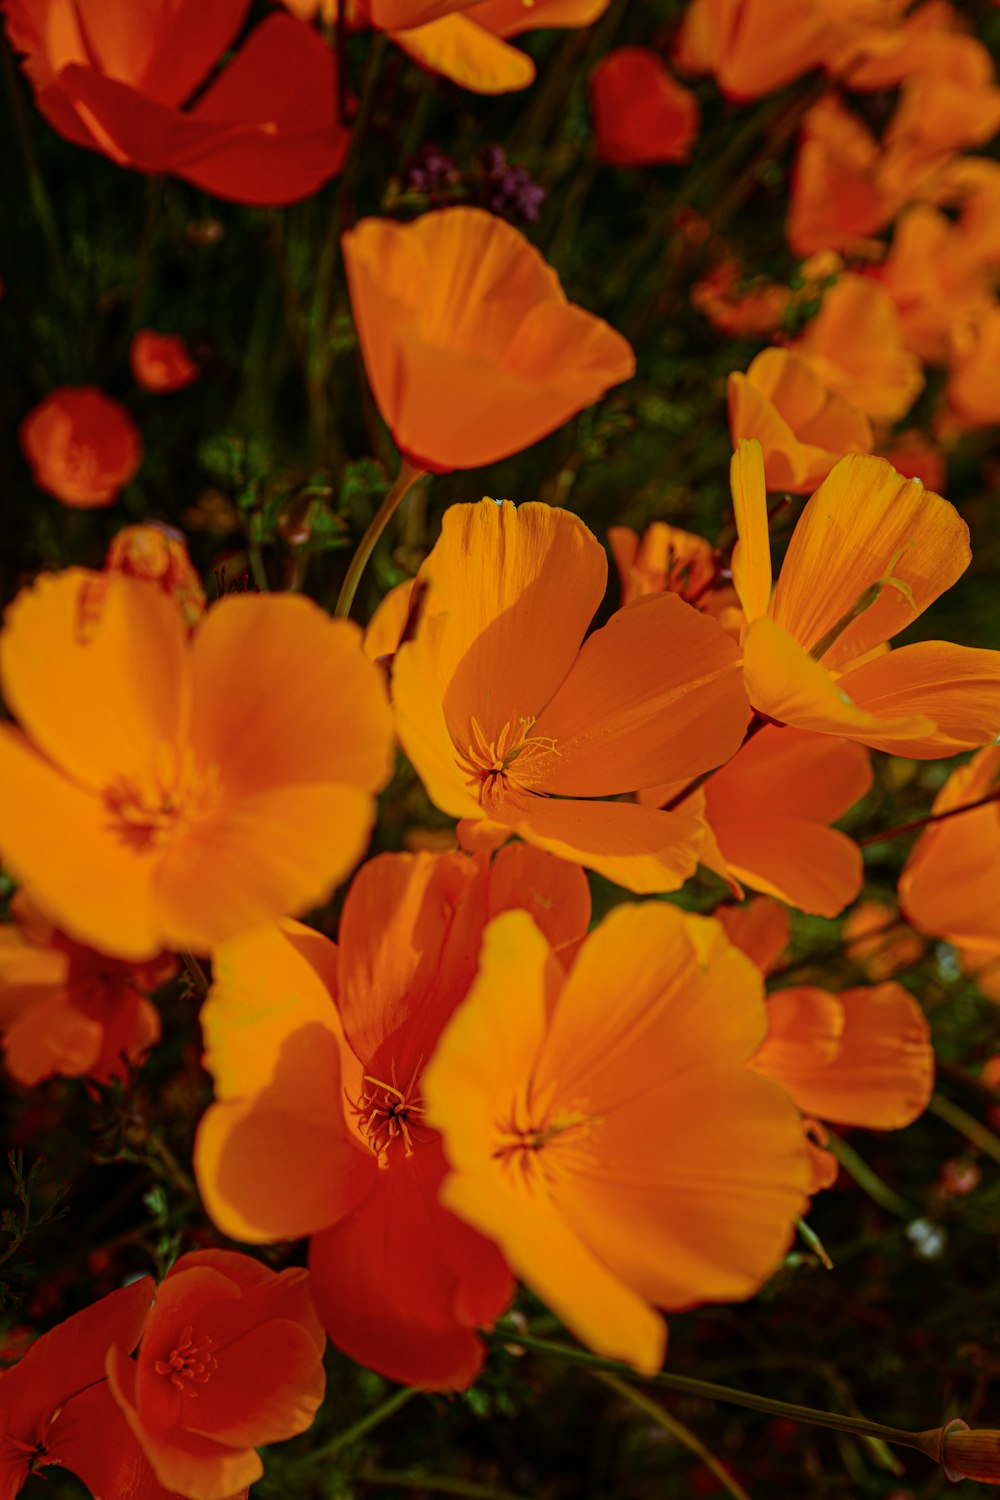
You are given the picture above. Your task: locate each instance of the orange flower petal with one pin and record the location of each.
(805, 1031)
(811, 867)
(808, 777)
(959, 688)
(469, 55)
(751, 563)
(555, 894)
(656, 693)
(636, 847)
(511, 17)
(244, 1411)
(759, 928)
(867, 525)
(948, 887)
(418, 705)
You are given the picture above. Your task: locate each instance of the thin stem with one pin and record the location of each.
(362, 1426)
(197, 973)
(40, 200)
(434, 1484)
(405, 480)
(666, 1380)
(676, 1428)
(966, 1125)
(939, 817)
(867, 1180)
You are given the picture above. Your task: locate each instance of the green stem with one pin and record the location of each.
(197, 973)
(940, 817)
(405, 480)
(966, 1125)
(362, 1426)
(676, 1428)
(707, 1390)
(867, 1180)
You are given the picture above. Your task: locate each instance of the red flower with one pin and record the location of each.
(82, 446)
(161, 362)
(641, 114)
(114, 78)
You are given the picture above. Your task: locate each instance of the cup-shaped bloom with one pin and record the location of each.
(870, 552)
(840, 194)
(231, 1358)
(472, 350)
(855, 346)
(167, 788)
(641, 114)
(939, 283)
(972, 396)
(161, 362)
(115, 79)
(68, 1009)
(589, 1119)
(318, 1054)
(81, 445)
(948, 887)
(768, 811)
(734, 307)
(515, 727)
(57, 1409)
(666, 559)
(802, 425)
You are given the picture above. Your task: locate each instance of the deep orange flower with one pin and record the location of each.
(939, 284)
(875, 938)
(949, 103)
(915, 456)
(641, 114)
(870, 552)
(972, 395)
(57, 1410)
(803, 426)
(166, 789)
(840, 193)
(948, 888)
(516, 728)
(601, 1126)
(767, 812)
(231, 1358)
(971, 186)
(760, 928)
(161, 362)
(318, 1054)
(67, 1009)
(855, 346)
(668, 560)
(158, 554)
(757, 309)
(471, 348)
(81, 445)
(115, 79)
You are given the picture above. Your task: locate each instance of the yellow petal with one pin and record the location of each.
(752, 554)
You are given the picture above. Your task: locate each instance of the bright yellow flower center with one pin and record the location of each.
(491, 763)
(541, 1143)
(148, 809)
(386, 1114)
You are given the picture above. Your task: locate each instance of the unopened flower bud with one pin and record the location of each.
(964, 1452)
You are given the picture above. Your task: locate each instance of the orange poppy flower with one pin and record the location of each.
(468, 42)
(948, 886)
(971, 392)
(840, 195)
(67, 1009)
(317, 1054)
(115, 80)
(855, 346)
(81, 446)
(938, 283)
(875, 940)
(862, 1057)
(802, 425)
(767, 812)
(231, 1358)
(758, 309)
(915, 456)
(760, 928)
(971, 186)
(870, 552)
(57, 1408)
(947, 105)
(515, 728)
(471, 348)
(664, 560)
(158, 554)
(166, 789)
(594, 1140)
(161, 362)
(641, 114)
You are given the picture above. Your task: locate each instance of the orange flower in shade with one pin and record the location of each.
(760, 928)
(81, 446)
(863, 1057)
(158, 554)
(855, 346)
(166, 789)
(67, 1009)
(515, 727)
(767, 812)
(875, 939)
(972, 395)
(641, 114)
(732, 308)
(668, 560)
(231, 1358)
(948, 888)
(754, 47)
(115, 79)
(802, 425)
(913, 455)
(971, 186)
(471, 348)
(949, 103)
(317, 1054)
(940, 286)
(840, 194)
(870, 552)
(601, 1126)
(57, 1409)
(161, 362)
(469, 42)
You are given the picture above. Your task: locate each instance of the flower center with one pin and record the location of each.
(541, 1144)
(147, 810)
(490, 763)
(189, 1363)
(387, 1114)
